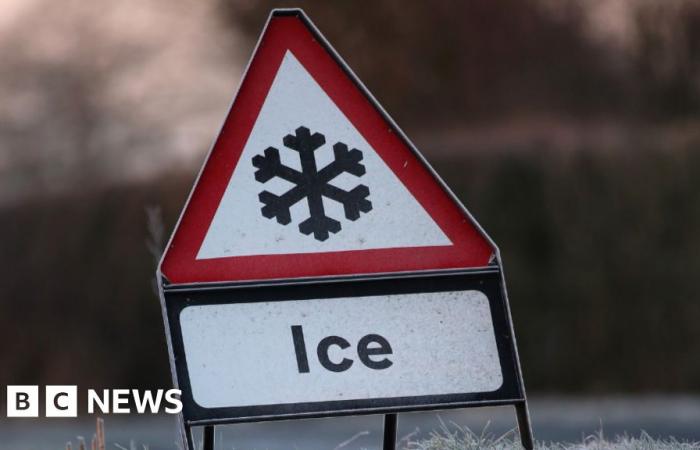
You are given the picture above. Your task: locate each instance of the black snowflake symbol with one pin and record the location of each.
(311, 183)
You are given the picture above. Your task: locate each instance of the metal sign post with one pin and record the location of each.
(321, 268)
(390, 428)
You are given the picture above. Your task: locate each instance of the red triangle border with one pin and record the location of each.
(284, 33)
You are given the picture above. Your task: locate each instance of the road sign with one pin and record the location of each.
(309, 177)
(373, 345)
(320, 267)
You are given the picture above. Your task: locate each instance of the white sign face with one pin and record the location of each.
(295, 99)
(297, 351)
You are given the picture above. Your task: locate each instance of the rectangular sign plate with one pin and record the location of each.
(342, 347)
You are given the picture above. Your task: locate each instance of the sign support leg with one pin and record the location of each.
(524, 425)
(390, 422)
(208, 439)
(189, 442)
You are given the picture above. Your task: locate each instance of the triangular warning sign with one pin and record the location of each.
(309, 178)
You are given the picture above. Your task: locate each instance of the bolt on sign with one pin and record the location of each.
(321, 267)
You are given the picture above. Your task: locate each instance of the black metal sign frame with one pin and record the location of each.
(489, 280)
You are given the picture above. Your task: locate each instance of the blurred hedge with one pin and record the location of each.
(601, 251)
(480, 59)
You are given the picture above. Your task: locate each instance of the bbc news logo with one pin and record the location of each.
(62, 401)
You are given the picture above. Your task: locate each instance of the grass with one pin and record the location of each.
(456, 437)
(99, 442)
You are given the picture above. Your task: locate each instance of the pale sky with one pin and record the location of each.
(120, 89)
